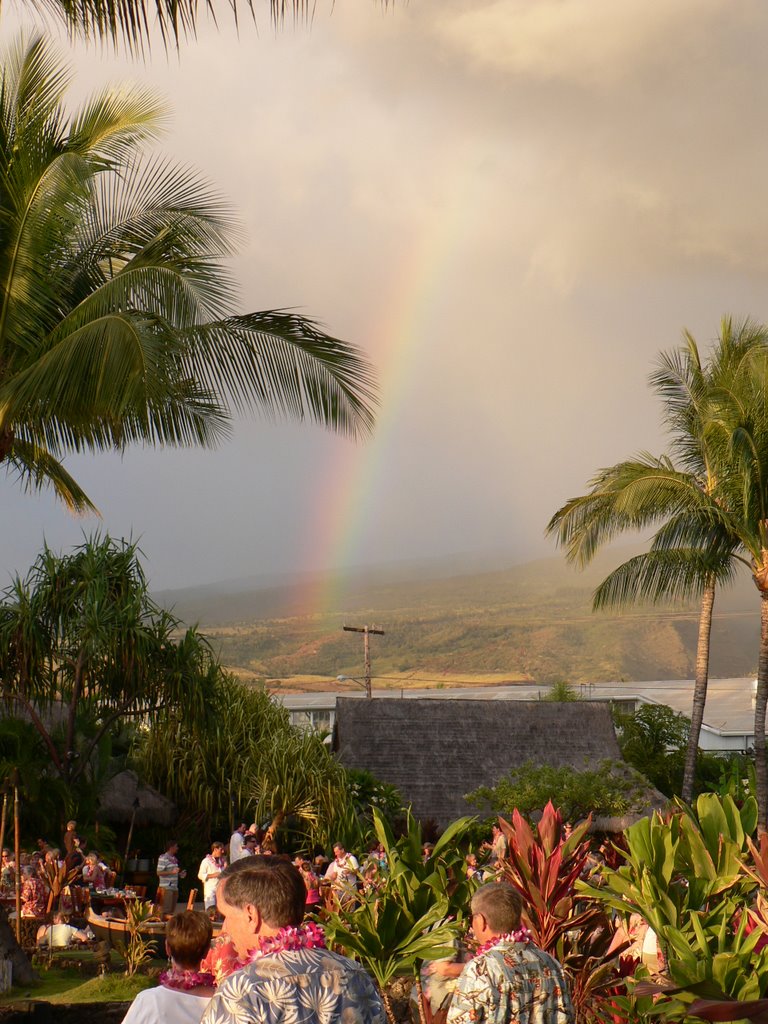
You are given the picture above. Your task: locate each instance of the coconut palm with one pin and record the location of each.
(696, 546)
(739, 426)
(116, 322)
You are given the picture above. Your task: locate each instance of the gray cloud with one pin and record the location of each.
(512, 206)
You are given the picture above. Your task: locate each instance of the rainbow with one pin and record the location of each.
(356, 483)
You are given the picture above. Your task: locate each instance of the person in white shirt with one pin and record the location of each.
(184, 991)
(210, 870)
(342, 873)
(60, 933)
(236, 843)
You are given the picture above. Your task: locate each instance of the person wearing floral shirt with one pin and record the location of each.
(34, 894)
(509, 980)
(285, 975)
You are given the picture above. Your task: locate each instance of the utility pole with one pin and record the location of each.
(366, 631)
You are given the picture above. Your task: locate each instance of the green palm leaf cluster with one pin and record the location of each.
(244, 758)
(82, 643)
(116, 318)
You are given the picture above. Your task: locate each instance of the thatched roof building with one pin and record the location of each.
(123, 798)
(436, 750)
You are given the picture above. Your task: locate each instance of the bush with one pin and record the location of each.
(653, 740)
(577, 793)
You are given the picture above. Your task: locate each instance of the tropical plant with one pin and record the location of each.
(132, 22)
(46, 799)
(530, 787)
(415, 914)
(244, 758)
(740, 431)
(679, 863)
(138, 948)
(202, 761)
(561, 693)
(689, 876)
(696, 545)
(352, 823)
(654, 739)
(297, 777)
(543, 865)
(58, 880)
(116, 322)
(81, 636)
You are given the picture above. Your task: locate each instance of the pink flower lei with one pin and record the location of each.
(288, 939)
(179, 978)
(521, 934)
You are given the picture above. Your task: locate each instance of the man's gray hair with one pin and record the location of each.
(501, 906)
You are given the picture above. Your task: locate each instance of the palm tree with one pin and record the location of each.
(696, 546)
(116, 323)
(739, 426)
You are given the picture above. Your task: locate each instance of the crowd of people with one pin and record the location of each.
(53, 874)
(326, 881)
(270, 962)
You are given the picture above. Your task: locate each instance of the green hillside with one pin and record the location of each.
(528, 621)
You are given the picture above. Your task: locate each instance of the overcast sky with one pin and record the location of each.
(511, 206)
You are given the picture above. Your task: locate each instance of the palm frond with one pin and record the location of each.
(631, 495)
(116, 320)
(658, 576)
(36, 469)
(131, 22)
(285, 365)
(112, 123)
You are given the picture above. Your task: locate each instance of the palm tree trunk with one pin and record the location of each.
(699, 688)
(761, 702)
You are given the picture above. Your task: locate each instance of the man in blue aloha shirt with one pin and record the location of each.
(288, 977)
(509, 980)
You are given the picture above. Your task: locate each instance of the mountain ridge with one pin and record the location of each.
(530, 620)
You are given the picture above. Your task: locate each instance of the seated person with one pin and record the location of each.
(184, 991)
(60, 933)
(34, 893)
(94, 871)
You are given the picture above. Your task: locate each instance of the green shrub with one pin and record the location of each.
(577, 793)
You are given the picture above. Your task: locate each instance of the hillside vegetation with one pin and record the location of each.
(526, 622)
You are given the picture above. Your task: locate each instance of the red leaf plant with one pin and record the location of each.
(543, 865)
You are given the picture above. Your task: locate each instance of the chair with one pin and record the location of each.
(191, 900)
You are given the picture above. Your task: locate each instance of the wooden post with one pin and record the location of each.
(367, 631)
(2, 822)
(17, 851)
(130, 831)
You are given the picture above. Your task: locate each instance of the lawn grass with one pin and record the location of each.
(52, 983)
(109, 988)
(70, 985)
